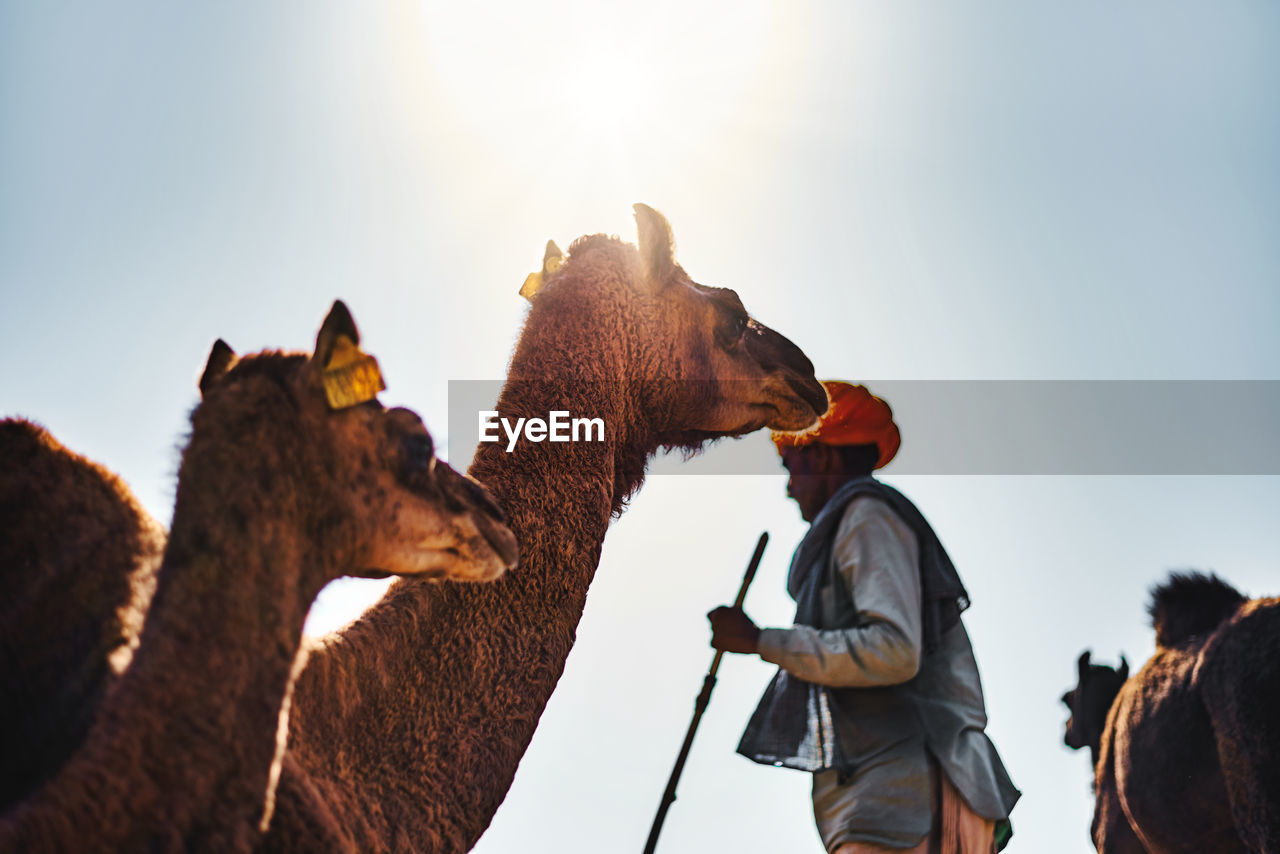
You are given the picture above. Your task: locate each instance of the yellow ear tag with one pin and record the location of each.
(552, 259)
(351, 377)
(532, 284)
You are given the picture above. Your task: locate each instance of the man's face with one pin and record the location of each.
(811, 482)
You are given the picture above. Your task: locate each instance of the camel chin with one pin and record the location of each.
(438, 559)
(466, 543)
(782, 415)
(798, 416)
(465, 552)
(459, 553)
(1071, 738)
(792, 404)
(778, 413)
(453, 565)
(469, 562)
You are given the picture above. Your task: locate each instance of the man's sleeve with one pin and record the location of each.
(878, 557)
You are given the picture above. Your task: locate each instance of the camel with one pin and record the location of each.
(1090, 704)
(78, 557)
(1096, 689)
(410, 723)
(1212, 691)
(293, 475)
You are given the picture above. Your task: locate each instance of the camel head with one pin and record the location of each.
(1096, 688)
(362, 482)
(699, 367)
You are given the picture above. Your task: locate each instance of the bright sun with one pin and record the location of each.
(597, 87)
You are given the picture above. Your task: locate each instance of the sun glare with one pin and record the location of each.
(599, 87)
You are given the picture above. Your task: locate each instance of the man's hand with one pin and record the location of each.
(733, 631)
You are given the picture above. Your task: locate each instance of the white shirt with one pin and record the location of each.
(878, 557)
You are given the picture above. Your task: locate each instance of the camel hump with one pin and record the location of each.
(1189, 605)
(18, 431)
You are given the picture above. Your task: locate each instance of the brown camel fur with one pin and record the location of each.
(280, 490)
(409, 724)
(1239, 677)
(1187, 760)
(78, 557)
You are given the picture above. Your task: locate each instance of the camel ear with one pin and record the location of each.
(221, 358)
(552, 259)
(1124, 668)
(337, 323)
(1082, 665)
(350, 376)
(657, 246)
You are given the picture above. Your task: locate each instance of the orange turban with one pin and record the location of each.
(855, 417)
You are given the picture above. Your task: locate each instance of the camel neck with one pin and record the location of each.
(189, 735)
(588, 380)
(462, 672)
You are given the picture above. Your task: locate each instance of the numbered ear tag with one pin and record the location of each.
(351, 377)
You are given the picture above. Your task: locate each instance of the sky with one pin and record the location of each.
(982, 191)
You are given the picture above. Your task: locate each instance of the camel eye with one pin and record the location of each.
(731, 330)
(419, 451)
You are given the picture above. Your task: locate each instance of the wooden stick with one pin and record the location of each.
(700, 706)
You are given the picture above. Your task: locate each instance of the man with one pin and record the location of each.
(877, 692)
